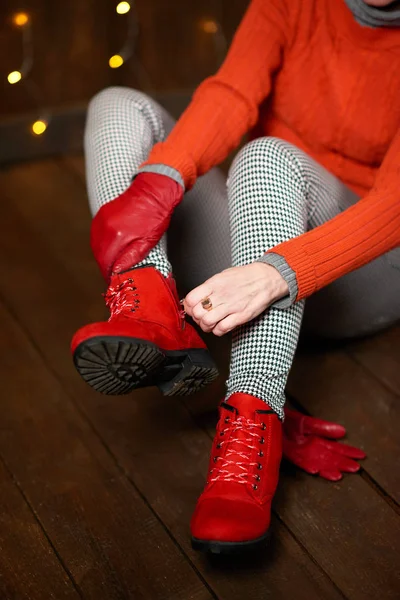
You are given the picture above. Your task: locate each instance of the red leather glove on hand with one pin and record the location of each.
(125, 230)
(306, 446)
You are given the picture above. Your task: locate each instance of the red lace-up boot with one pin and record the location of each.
(145, 342)
(234, 511)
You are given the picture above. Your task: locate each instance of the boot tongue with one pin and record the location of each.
(246, 405)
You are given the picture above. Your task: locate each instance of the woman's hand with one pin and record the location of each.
(238, 295)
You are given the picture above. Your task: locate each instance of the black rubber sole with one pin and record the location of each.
(216, 547)
(117, 365)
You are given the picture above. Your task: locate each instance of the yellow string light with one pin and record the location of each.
(20, 19)
(116, 61)
(209, 26)
(14, 77)
(39, 127)
(123, 8)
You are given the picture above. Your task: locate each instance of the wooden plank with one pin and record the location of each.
(155, 442)
(381, 356)
(29, 567)
(108, 538)
(358, 562)
(328, 383)
(350, 529)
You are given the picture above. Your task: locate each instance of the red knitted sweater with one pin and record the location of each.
(307, 72)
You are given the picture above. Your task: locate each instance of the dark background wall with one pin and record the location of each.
(73, 40)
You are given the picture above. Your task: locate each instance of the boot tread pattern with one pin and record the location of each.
(119, 365)
(116, 367)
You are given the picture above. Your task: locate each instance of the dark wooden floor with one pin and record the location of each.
(96, 492)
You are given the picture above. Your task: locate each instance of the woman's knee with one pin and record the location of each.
(267, 156)
(122, 102)
(114, 95)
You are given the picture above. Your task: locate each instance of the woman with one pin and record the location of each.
(317, 82)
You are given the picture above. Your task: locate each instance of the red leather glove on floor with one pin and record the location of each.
(306, 446)
(125, 230)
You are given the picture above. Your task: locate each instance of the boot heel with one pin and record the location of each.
(197, 369)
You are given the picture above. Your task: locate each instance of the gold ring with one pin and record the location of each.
(207, 304)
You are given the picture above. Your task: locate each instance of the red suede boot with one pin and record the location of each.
(145, 342)
(234, 511)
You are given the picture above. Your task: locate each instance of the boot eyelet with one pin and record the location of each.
(226, 419)
(263, 426)
(259, 466)
(258, 478)
(221, 433)
(255, 486)
(215, 459)
(218, 446)
(261, 453)
(262, 440)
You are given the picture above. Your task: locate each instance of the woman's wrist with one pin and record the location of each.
(276, 283)
(288, 275)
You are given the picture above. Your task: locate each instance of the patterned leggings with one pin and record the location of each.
(274, 192)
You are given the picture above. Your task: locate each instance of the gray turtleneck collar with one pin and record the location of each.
(371, 16)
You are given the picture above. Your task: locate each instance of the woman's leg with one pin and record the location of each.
(277, 192)
(149, 346)
(122, 127)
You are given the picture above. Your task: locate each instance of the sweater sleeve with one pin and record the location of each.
(225, 106)
(352, 239)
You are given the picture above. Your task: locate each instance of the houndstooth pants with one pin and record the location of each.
(274, 192)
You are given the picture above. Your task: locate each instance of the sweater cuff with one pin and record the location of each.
(164, 153)
(302, 265)
(163, 170)
(280, 264)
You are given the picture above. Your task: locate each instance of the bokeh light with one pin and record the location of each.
(20, 19)
(39, 127)
(14, 77)
(209, 26)
(116, 61)
(123, 8)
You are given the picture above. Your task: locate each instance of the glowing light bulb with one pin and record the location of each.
(14, 77)
(209, 26)
(39, 127)
(116, 61)
(20, 19)
(123, 8)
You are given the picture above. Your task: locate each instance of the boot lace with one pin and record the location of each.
(246, 438)
(122, 298)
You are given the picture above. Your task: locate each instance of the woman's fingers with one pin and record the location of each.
(194, 298)
(229, 323)
(209, 319)
(241, 290)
